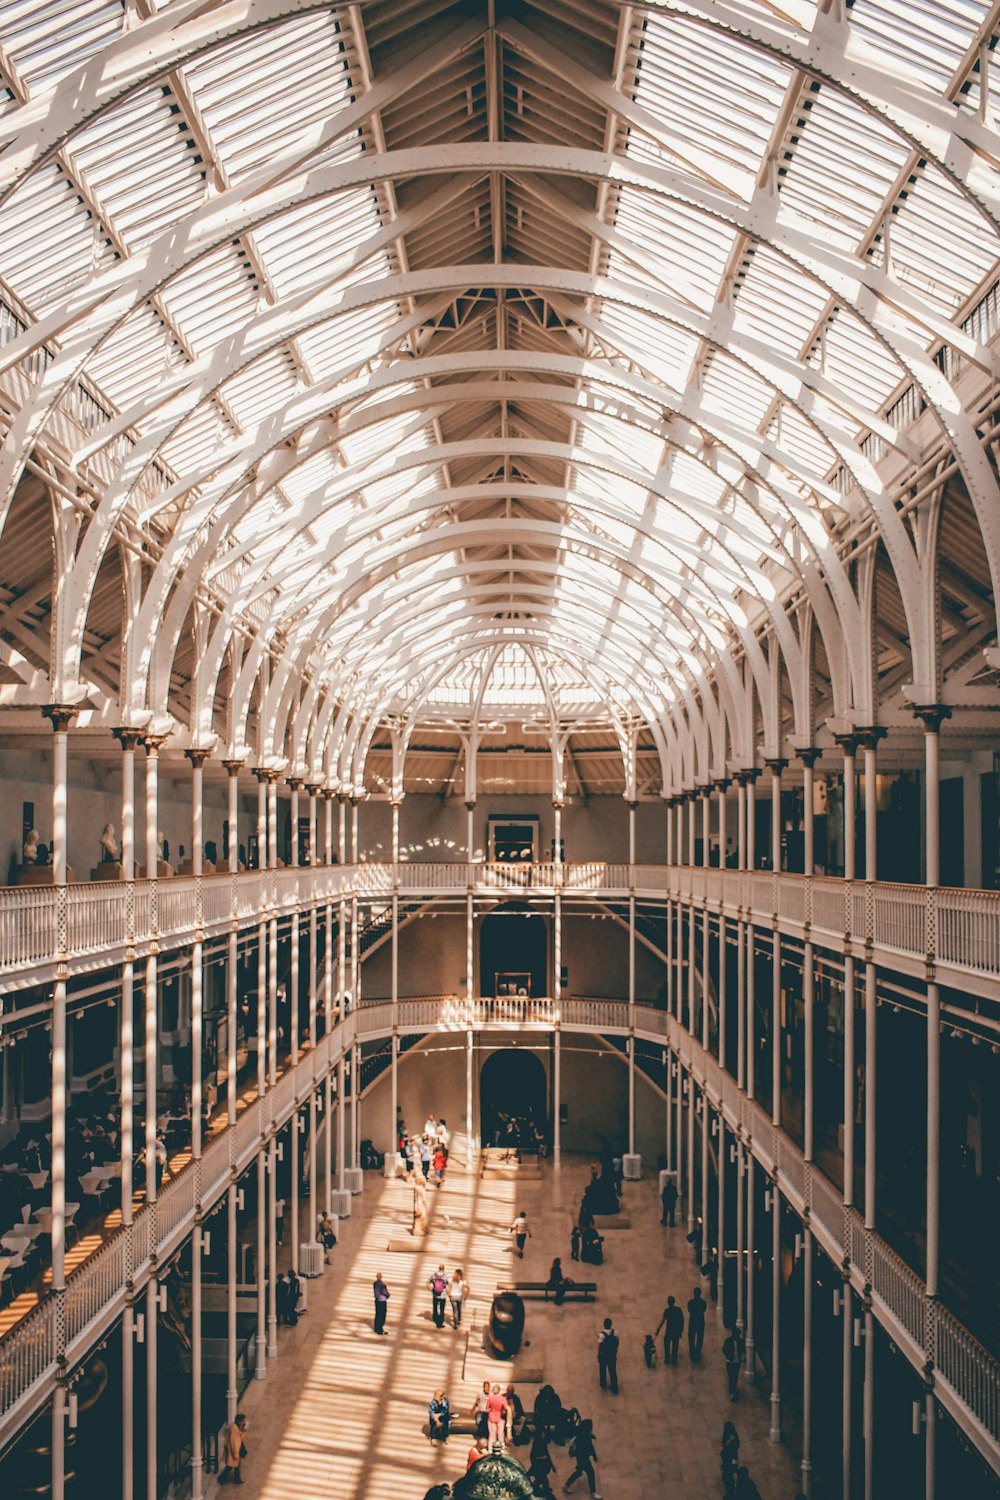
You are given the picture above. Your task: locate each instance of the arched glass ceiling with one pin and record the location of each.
(486, 356)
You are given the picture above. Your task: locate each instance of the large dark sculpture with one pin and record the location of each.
(506, 1326)
(601, 1196)
(493, 1477)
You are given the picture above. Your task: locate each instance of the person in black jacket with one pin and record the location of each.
(672, 1324)
(697, 1308)
(582, 1448)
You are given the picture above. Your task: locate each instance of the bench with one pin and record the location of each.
(585, 1289)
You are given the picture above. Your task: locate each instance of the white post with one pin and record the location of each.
(808, 757)
(260, 1373)
(631, 979)
(775, 1429)
(749, 1369)
(932, 717)
(847, 1399)
(272, 1245)
(848, 743)
(807, 1301)
(740, 1237)
(197, 759)
(231, 1391)
(557, 988)
(471, 1134)
(61, 719)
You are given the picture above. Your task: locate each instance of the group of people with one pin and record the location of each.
(428, 1149)
(672, 1323)
(453, 1289)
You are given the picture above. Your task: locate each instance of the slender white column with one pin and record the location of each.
(808, 1049)
(272, 1246)
(740, 1237)
(313, 850)
(128, 738)
(394, 990)
(705, 1112)
(328, 1138)
(807, 1302)
(749, 1369)
(847, 1397)
(868, 1415)
(751, 833)
(356, 1109)
(741, 939)
(395, 833)
(128, 1400)
(774, 1432)
(261, 776)
(260, 1373)
(328, 834)
(61, 719)
(471, 1135)
(721, 1149)
(848, 743)
(272, 821)
(808, 756)
(294, 984)
(355, 846)
(197, 759)
(231, 1273)
(631, 978)
(197, 1461)
(777, 766)
(932, 717)
(689, 1199)
(849, 1068)
(152, 1366)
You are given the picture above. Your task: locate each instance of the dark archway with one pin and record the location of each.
(513, 941)
(512, 1083)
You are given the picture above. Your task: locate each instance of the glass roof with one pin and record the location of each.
(489, 369)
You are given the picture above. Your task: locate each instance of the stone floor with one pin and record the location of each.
(341, 1413)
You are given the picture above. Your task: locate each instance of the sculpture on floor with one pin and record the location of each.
(506, 1325)
(601, 1197)
(493, 1477)
(109, 845)
(420, 1213)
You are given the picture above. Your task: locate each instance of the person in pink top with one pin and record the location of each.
(496, 1415)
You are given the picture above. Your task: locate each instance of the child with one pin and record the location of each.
(574, 1243)
(649, 1351)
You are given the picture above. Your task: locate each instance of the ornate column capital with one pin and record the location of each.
(849, 740)
(127, 735)
(775, 764)
(293, 782)
(869, 737)
(197, 756)
(233, 765)
(808, 755)
(153, 744)
(60, 716)
(723, 783)
(932, 715)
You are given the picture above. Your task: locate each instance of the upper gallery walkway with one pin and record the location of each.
(915, 929)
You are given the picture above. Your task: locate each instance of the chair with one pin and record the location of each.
(43, 1217)
(38, 1179)
(14, 1242)
(91, 1184)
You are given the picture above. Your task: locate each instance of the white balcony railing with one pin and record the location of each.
(957, 929)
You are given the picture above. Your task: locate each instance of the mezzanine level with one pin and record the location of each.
(966, 1379)
(908, 928)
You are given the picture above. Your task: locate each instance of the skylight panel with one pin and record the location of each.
(134, 358)
(214, 298)
(663, 351)
(300, 62)
(940, 245)
(302, 246)
(144, 168)
(348, 342)
(777, 304)
(858, 363)
(839, 166)
(930, 38)
(734, 392)
(719, 97)
(47, 41)
(685, 250)
(800, 439)
(48, 238)
(261, 390)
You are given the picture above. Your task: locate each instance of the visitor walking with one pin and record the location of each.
(574, 1242)
(235, 1451)
(734, 1353)
(668, 1202)
(479, 1411)
(458, 1290)
(583, 1449)
(381, 1292)
(729, 1459)
(438, 1284)
(672, 1324)
(697, 1308)
(607, 1357)
(519, 1229)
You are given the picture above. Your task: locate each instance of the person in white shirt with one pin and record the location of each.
(430, 1127)
(519, 1229)
(458, 1290)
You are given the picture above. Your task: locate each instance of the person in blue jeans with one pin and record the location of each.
(439, 1415)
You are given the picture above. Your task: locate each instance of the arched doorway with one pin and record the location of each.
(513, 943)
(512, 1083)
